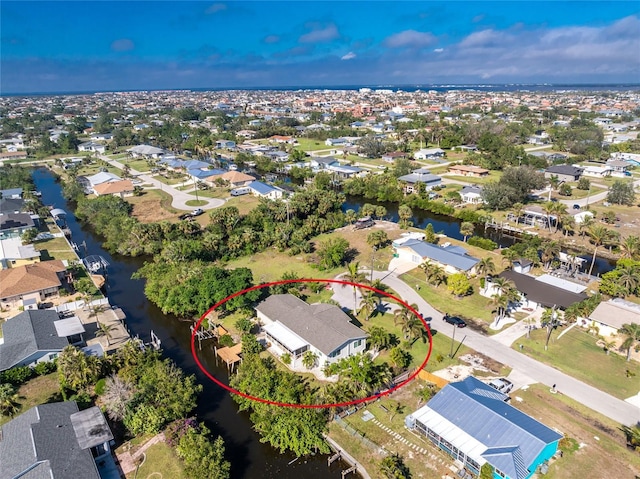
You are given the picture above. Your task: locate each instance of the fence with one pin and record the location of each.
(357, 434)
(72, 306)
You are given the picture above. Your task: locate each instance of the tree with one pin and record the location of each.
(621, 193)
(353, 275)
(409, 324)
(631, 333)
(630, 247)
(550, 319)
(105, 330)
(378, 339)
(632, 433)
(9, 404)
(466, 229)
(458, 284)
(377, 238)
(29, 236)
(599, 236)
(485, 267)
(565, 189)
(583, 183)
(203, 458)
(550, 250)
(499, 196)
(332, 252)
(501, 302)
(118, 393)
(77, 370)
(368, 304)
(518, 210)
(399, 357)
(486, 471)
(309, 359)
(393, 467)
(405, 214)
(425, 393)
(430, 234)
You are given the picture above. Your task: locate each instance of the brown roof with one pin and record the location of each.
(13, 154)
(237, 176)
(113, 187)
(29, 278)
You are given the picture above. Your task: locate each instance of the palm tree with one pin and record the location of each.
(309, 359)
(509, 255)
(353, 275)
(630, 247)
(405, 214)
(407, 321)
(608, 344)
(550, 250)
(502, 285)
(586, 223)
(631, 332)
(599, 236)
(549, 207)
(486, 267)
(518, 209)
(105, 330)
(76, 369)
(427, 267)
(568, 224)
(379, 339)
(466, 229)
(368, 304)
(629, 278)
(501, 302)
(9, 404)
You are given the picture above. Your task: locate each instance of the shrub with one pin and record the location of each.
(143, 418)
(83, 400)
(99, 387)
(17, 376)
(286, 358)
(483, 243)
(226, 340)
(44, 368)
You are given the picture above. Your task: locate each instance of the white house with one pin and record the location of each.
(293, 327)
(429, 154)
(146, 151)
(610, 315)
(472, 195)
(421, 175)
(597, 171)
(92, 146)
(263, 190)
(453, 259)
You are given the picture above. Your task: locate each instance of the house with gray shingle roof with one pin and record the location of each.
(36, 336)
(471, 422)
(293, 326)
(56, 441)
(453, 259)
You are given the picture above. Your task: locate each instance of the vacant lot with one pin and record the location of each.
(153, 205)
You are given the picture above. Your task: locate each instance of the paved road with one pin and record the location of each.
(616, 409)
(594, 198)
(180, 198)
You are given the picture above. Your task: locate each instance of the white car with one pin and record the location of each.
(503, 385)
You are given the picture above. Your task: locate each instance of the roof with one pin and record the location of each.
(262, 188)
(113, 187)
(90, 428)
(445, 256)
(11, 193)
(542, 293)
(237, 176)
(564, 170)
(475, 416)
(11, 205)
(419, 177)
(616, 312)
(146, 150)
(10, 221)
(30, 278)
(12, 248)
(469, 168)
(43, 441)
(471, 189)
(27, 333)
(324, 326)
(561, 283)
(102, 177)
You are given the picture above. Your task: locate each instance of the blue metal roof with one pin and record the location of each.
(476, 408)
(261, 188)
(441, 255)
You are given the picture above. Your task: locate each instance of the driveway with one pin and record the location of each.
(180, 198)
(614, 408)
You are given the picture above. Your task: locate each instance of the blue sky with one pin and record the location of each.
(85, 46)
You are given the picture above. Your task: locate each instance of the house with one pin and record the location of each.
(522, 265)
(237, 178)
(539, 293)
(101, 136)
(279, 156)
(421, 175)
(120, 188)
(322, 162)
(609, 316)
(429, 154)
(393, 156)
(13, 225)
(619, 167)
(263, 190)
(13, 155)
(453, 259)
(228, 144)
(597, 171)
(471, 195)
(468, 170)
(11, 194)
(564, 172)
(37, 281)
(56, 441)
(335, 141)
(13, 253)
(92, 146)
(11, 205)
(470, 421)
(102, 177)
(146, 151)
(247, 134)
(283, 139)
(294, 327)
(37, 335)
(632, 158)
(344, 171)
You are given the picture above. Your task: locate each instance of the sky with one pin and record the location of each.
(61, 46)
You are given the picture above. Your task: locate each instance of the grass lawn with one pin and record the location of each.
(170, 180)
(213, 193)
(195, 202)
(307, 144)
(244, 203)
(153, 205)
(473, 307)
(492, 176)
(574, 351)
(55, 248)
(603, 442)
(138, 165)
(160, 461)
(578, 194)
(39, 390)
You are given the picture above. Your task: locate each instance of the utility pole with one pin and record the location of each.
(551, 325)
(373, 252)
(453, 339)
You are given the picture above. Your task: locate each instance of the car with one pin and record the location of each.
(576, 207)
(455, 320)
(197, 212)
(501, 384)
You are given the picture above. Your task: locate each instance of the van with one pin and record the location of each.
(240, 191)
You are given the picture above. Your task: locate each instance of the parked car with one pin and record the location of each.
(455, 320)
(197, 212)
(501, 384)
(576, 207)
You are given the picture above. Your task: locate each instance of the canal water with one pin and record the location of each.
(250, 459)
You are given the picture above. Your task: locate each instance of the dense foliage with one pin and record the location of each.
(16, 177)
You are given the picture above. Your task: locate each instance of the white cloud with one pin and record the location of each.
(438, 50)
(410, 38)
(348, 56)
(122, 45)
(215, 8)
(320, 34)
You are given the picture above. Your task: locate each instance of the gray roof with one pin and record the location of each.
(446, 256)
(11, 205)
(513, 439)
(43, 442)
(542, 293)
(471, 189)
(325, 326)
(9, 221)
(27, 333)
(564, 170)
(420, 177)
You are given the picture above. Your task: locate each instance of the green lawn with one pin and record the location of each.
(139, 165)
(39, 390)
(307, 144)
(195, 202)
(577, 354)
(492, 176)
(55, 248)
(170, 180)
(473, 306)
(160, 461)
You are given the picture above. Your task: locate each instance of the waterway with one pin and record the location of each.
(250, 459)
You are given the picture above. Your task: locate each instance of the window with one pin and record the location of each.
(357, 343)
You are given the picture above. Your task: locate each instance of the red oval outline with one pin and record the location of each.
(310, 406)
